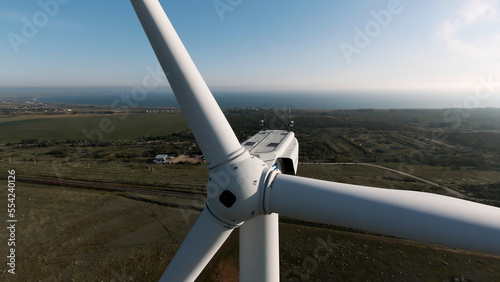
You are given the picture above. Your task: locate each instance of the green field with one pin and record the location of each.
(130, 236)
(467, 160)
(104, 127)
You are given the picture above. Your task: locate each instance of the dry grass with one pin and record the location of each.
(67, 233)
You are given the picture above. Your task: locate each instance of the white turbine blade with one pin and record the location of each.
(259, 249)
(210, 128)
(204, 239)
(414, 215)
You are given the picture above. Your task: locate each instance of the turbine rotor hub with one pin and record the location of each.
(235, 189)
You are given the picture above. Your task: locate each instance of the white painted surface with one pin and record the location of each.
(259, 249)
(414, 215)
(213, 133)
(204, 239)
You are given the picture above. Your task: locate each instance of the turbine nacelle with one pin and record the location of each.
(278, 149)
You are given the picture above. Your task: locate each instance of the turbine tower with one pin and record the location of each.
(251, 183)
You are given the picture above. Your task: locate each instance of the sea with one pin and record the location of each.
(290, 99)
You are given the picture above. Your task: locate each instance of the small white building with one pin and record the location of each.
(162, 158)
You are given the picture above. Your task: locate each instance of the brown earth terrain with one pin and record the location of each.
(66, 234)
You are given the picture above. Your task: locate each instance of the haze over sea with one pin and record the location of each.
(297, 100)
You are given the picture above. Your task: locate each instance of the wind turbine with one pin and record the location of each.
(251, 183)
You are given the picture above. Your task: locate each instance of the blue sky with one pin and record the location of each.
(320, 45)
